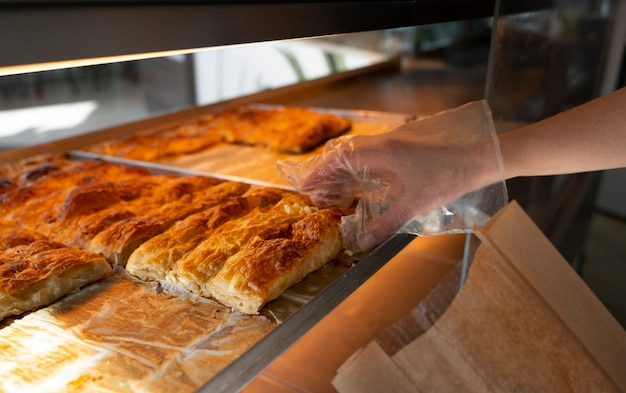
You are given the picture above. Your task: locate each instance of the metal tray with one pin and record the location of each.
(302, 306)
(299, 308)
(256, 164)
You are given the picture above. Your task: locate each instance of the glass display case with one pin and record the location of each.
(76, 71)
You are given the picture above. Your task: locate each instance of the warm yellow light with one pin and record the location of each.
(57, 65)
(26, 68)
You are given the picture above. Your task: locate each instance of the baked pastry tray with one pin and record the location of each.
(257, 164)
(122, 334)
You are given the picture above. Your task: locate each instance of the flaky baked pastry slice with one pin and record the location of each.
(122, 238)
(287, 129)
(264, 268)
(36, 274)
(252, 259)
(195, 269)
(154, 258)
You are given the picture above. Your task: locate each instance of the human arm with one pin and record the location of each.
(417, 175)
(589, 137)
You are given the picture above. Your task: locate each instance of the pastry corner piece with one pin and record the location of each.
(264, 268)
(36, 274)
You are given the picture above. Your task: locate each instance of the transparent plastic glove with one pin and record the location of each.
(440, 174)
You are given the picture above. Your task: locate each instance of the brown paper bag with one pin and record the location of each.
(523, 322)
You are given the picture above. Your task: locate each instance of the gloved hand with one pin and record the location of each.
(420, 178)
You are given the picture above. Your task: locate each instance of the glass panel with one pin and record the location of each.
(544, 62)
(44, 106)
(550, 59)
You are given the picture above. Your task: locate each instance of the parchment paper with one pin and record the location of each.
(123, 335)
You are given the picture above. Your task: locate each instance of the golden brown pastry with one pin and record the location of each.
(296, 130)
(239, 244)
(78, 173)
(38, 202)
(264, 268)
(15, 203)
(290, 235)
(27, 170)
(79, 231)
(286, 129)
(36, 274)
(87, 210)
(154, 258)
(119, 240)
(11, 236)
(150, 146)
(195, 269)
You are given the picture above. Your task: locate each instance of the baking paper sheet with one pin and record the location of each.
(124, 335)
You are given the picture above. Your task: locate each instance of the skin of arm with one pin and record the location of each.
(589, 137)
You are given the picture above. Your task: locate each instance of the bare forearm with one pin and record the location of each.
(587, 138)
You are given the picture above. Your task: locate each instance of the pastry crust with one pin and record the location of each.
(195, 269)
(296, 130)
(80, 231)
(154, 258)
(287, 130)
(27, 170)
(154, 145)
(239, 244)
(119, 240)
(251, 259)
(37, 202)
(264, 268)
(88, 210)
(11, 236)
(36, 274)
(78, 173)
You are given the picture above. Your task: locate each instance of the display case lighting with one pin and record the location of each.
(57, 65)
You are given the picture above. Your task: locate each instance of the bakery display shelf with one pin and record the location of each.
(165, 121)
(92, 323)
(256, 165)
(290, 315)
(303, 305)
(116, 324)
